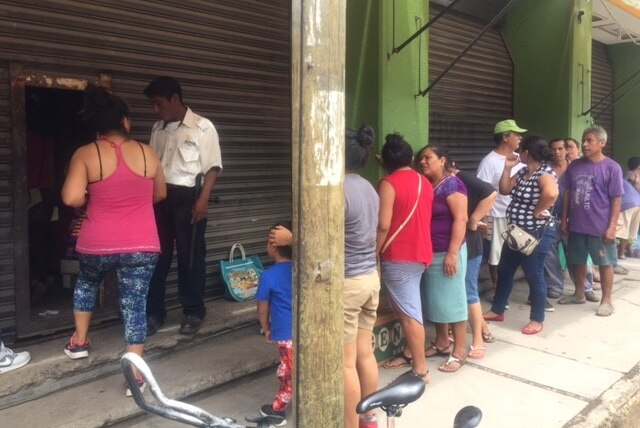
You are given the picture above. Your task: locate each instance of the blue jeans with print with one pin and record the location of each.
(134, 273)
(533, 267)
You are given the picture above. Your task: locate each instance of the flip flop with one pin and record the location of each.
(434, 351)
(488, 337)
(404, 362)
(605, 310)
(452, 364)
(477, 353)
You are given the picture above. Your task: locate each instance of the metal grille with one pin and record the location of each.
(601, 85)
(478, 92)
(233, 60)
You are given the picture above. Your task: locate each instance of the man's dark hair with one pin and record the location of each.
(284, 250)
(555, 140)
(633, 163)
(163, 86)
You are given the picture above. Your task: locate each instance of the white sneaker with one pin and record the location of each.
(10, 360)
(141, 385)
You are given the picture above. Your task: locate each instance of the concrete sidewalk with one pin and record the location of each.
(581, 371)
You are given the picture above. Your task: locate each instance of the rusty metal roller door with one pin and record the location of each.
(478, 92)
(233, 60)
(601, 85)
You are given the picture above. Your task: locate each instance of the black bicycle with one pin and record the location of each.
(405, 389)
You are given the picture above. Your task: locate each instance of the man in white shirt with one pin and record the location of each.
(188, 147)
(507, 136)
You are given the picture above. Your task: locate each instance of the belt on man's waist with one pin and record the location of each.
(176, 186)
(175, 190)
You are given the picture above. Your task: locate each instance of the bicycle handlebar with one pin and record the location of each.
(166, 407)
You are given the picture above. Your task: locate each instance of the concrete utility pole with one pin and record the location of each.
(317, 78)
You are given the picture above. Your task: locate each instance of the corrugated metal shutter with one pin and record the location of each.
(7, 300)
(601, 85)
(478, 92)
(233, 60)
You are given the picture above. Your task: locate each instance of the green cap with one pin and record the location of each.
(508, 125)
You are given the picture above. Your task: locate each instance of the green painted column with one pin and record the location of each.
(625, 61)
(551, 50)
(381, 88)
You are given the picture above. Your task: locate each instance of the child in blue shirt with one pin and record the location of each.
(275, 304)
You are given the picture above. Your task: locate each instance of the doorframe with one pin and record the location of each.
(20, 79)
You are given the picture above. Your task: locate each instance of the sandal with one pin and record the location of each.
(434, 351)
(402, 358)
(605, 310)
(452, 364)
(488, 337)
(426, 376)
(476, 353)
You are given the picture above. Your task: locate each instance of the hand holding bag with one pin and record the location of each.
(241, 276)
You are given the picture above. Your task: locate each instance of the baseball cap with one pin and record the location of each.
(508, 125)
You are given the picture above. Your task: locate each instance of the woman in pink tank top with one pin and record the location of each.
(119, 180)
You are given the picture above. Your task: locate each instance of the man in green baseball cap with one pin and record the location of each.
(508, 125)
(507, 136)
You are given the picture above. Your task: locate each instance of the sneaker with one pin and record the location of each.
(267, 410)
(141, 386)
(591, 296)
(10, 360)
(548, 307)
(190, 325)
(370, 421)
(75, 350)
(620, 270)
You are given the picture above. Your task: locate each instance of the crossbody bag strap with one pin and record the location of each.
(404, 223)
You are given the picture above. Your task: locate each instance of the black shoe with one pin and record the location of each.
(190, 325)
(267, 410)
(548, 307)
(152, 326)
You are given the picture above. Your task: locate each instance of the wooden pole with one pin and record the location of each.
(318, 57)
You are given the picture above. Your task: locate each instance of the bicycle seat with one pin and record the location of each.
(405, 389)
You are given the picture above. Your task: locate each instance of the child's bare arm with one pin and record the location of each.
(263, 317)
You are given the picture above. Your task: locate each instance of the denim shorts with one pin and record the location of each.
(581, 246)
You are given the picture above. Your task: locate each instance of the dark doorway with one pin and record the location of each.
(53, 132)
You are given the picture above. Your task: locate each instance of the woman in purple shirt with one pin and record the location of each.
(444, 298)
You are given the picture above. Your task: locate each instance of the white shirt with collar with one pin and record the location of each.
(186, 148)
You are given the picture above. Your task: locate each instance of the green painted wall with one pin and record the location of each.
(625, 61)
(381, 89)
(551, 52)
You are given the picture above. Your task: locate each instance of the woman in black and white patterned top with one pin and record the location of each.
(533, 191)
(525, 195)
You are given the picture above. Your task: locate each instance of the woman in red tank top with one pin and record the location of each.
(404, 246)
(118, 179)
